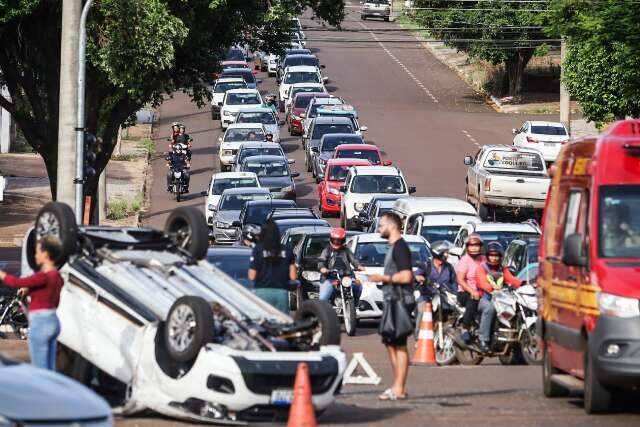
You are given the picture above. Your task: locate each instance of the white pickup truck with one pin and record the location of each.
(506, 177)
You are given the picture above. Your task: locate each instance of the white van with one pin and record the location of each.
(434, 218)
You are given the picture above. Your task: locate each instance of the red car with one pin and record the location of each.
(367, 152)
(329, 187)
(299, 106)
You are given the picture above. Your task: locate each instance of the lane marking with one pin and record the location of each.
(470, 137)
(404, 67)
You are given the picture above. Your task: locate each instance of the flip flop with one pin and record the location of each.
(388, 394)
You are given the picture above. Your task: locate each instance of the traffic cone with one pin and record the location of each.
(425, 353)
(302, 413)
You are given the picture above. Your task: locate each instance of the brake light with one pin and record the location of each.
(532, 140)
(487, 184)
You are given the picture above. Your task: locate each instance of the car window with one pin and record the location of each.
(247, 76)
(338, 172)
(265, 118)
(250, 152)
(433, 233)
(221, 184)
(244, 134)
(514, 161)
(243, 98)
(235, 202)
(301, 77)
(301, 60)
(315, 245)
(223, 87)
(297, 90)
(619, 222)
(235, 266)
(549, 130)
(302, 101)
(573, 211)
(366, 184)
(372, 254)
(267, 169)
(373, 156)
(323, 129)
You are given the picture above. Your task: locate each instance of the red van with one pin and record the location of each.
(589, 319)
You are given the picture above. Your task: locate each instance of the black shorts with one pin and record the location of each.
(401, 342)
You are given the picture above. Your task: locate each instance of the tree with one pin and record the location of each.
(496, 31)
(602, 63)
(138, 51)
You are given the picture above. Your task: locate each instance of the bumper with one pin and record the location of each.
(225, 235)
(376, 13)
(296, 126)
(623, 369)
(513, 202)
(370, 304)
(549, 152)
(330, 203)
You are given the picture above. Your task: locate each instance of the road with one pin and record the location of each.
(425, 119)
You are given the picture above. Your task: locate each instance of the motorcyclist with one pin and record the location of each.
(184, 139)
(175, 130)
(177, 160)
(436, 270)
(466, 272)
(336, 256)
(491, 277)
(271, 102)
(250, 235)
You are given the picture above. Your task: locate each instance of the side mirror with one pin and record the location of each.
(363, 128)
(315, 150)
(291, 161)
(412, 189)
(343, 188)
(514, 131)
(387, 163)
(212, 208)
(325, 80)
(295, 174)
(468, 160)
(236, 224)
(573, 251)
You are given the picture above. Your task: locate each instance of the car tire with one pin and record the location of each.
(363, 17)
(483, 211)
(57, 219)
(187, 228)
(549, 388)
(597, 399)
(188, 327)
(327, 319)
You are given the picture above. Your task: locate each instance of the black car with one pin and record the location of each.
(257, 211)
(235, 54)
(286, 224)
(292, 213)
(234, 261)
(374, 209)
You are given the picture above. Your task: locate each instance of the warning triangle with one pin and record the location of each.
(358, 360)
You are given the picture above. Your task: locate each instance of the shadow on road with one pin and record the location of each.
(352, 414)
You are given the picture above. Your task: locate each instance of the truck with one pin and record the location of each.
(506, 178)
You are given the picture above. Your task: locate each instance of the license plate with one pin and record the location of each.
(550, 144)
(519, 202)
(281, 397)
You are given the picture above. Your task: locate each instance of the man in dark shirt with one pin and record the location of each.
(397, 273)
(178, 161)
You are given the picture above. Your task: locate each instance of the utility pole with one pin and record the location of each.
(68, 107)
(565, 97)
(5, 124)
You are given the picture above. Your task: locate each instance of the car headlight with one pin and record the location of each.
(358, 206)
(211, 207)
(288, 188)
(220, 224)
(226, 153)
(346, 282)
(334, 191)
(617, 306)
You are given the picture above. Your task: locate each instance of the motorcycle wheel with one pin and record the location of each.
(350, 320)
(512, 358)
(530, 347)
(178, 196)
(445, 349)
(468, 357)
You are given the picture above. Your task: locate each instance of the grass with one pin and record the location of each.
(147, 144)
(119, 208)
(123, 157)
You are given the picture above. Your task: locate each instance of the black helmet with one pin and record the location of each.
(440, 249)
(251, 232)
(495, 248)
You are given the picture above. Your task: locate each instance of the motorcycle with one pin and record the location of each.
(13, 317)
(445, 309)
(178, 187)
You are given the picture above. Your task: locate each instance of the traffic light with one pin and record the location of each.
(90, 147)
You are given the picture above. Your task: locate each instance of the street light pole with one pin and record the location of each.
(80, 127)
(565, 97)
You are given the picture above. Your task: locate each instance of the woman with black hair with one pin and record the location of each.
(272, 267)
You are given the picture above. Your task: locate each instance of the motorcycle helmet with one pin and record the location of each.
(440, 249)
(494, 249)
(474, 241)
(251, 232)
(337, 237)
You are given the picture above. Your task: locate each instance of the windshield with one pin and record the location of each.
(235, 202)
(505, 237)
(338, 173)
(257, 214)
(246, 76)
(235, 266)
(619, 222)
(297, 90)
(368, 184)
(514, 161)
(265, 118)
(283, 227)
(223, 87)
(302, 101)
(314, 246)
(244, 134)
(323, 129)
(301, 77)
(372, 155)
(316, 106)
(235, 54)
(301, 60)
(373, 254)
(330, 144)
(549, 130)
(221, 184)
(243, 99)
(433, 233)
(267, 169)
(250, 152)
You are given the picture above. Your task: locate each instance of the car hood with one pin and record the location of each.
(618, 277)
(274, 129)
(32, 394)
(228, 216)
(275, 181)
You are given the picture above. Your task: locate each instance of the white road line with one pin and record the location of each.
(404, 67)
(471, 138)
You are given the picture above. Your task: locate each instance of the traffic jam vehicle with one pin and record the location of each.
(329, 188)
(233, 138)
(343, 110)
(220, 87)
(367, 152)
(546, 137)
(590, 269)
(145, 314)
(295, 115)
(325, 149)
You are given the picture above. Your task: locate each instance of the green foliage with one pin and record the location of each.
(117, 209)
(602, 64)
(147, 144)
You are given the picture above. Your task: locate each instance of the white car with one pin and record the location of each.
(300, 88)
(264, 116)
(169, 332)
(235, 100)
(546, 137)
(220, 87)
(370, 250)
(312, 111)
(364, 182)
(234, 136)
(298, 74)
(272, 64)
(222, 181)
(434, 218)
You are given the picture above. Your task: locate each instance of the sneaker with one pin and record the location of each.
(484, 347)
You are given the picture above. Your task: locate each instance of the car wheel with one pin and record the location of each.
(188, 327)
(364, 18)
(187, 228)
(328, 329)
(308, 163)
(483, 211)
(549, 388)
(58, 220)
(597, 399)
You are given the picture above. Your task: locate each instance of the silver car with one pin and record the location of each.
(228, 211)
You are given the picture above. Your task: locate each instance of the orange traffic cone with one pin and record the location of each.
(425, 353)
(302, 413)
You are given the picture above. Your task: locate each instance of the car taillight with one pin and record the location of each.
(487, 184)
(532, 140)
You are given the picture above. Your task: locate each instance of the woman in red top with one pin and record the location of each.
(44, 288)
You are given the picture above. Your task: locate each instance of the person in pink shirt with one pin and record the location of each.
(466, 272)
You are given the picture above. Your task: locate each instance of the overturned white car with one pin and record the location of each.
(150, 325)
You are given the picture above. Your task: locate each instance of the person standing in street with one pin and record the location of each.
(272, 268)
(399, 275)
(44, 288)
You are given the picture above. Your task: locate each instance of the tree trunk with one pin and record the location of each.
(49, 154)
(514, 68)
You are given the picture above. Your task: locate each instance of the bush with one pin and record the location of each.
(117, 209)
(147, 144)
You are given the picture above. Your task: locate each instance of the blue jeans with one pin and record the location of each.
(279, 298)
(326, 291)
(44, 328)
(487, 314)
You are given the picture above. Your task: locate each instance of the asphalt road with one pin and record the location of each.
(425, 119)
